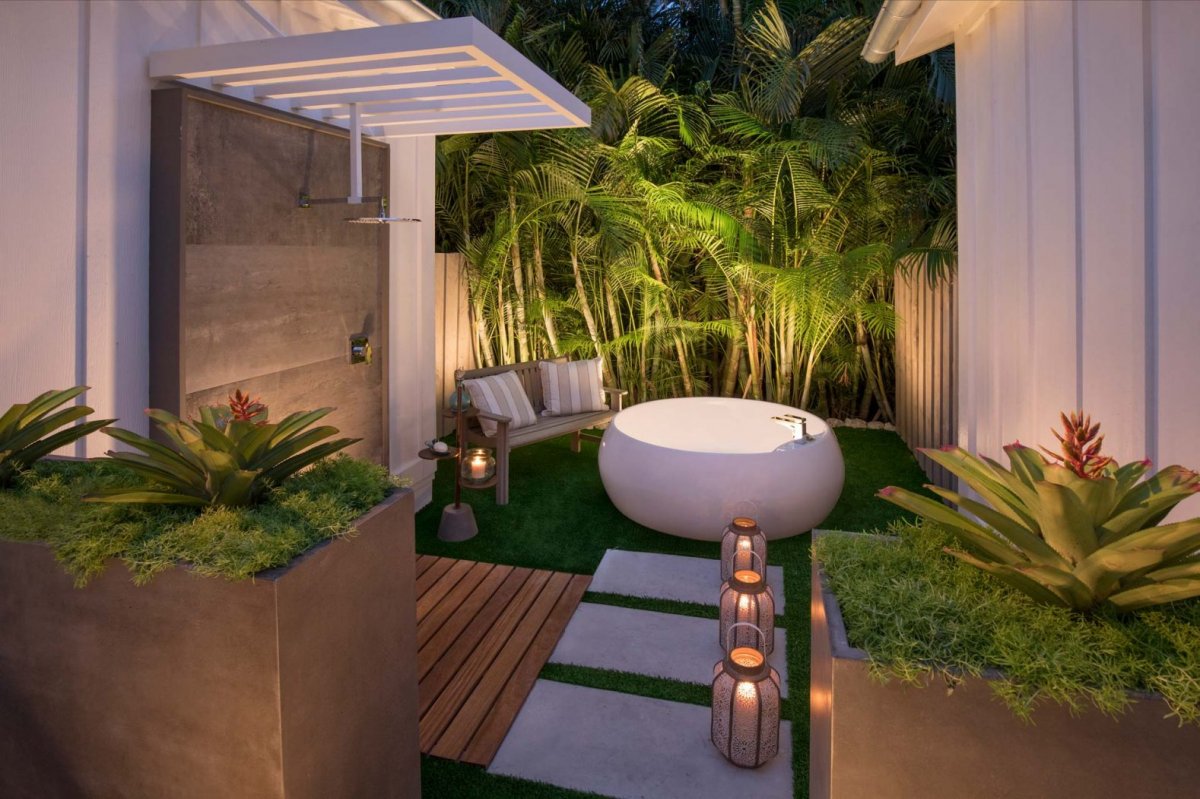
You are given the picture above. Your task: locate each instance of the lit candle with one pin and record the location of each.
(478, 466)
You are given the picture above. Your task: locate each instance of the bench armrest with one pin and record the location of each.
(617, 396)
(495, 417)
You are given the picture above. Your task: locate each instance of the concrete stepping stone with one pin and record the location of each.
(646, 642)
(656, 576)
(630, 747)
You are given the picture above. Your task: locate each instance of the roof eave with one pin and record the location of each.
(912, 28)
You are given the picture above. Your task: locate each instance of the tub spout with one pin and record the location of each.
(797, 424)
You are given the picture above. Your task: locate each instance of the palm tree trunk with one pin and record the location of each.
(502, 335)
(787, 352)
(753, 349)
(685, 372)
(478, 314)
(808, 376)
(585, 309)
(730, 370)
(539, 276)
(522, 334)
(614, 319)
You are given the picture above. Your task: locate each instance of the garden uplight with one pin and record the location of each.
(742, 541)
(747, 599)
(745, 703)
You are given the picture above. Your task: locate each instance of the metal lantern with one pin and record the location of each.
(742, 540)
(478, 466)
(747, 599)
(745, 704)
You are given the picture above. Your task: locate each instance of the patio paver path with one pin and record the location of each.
(630, 747)
(484, 631)
(647, 642)
(678, 577)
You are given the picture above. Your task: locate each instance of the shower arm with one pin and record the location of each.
(356, 179)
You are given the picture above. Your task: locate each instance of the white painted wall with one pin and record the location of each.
(74, 205)
(1079, 224)
(412, 346)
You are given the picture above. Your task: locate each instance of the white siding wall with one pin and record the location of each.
(74, 205)
(1079, 214)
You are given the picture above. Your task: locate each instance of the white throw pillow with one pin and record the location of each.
(502, 395)
(573, 387)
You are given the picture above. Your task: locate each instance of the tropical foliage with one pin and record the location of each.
(731, 221)
(31, 430)
(1080, 533)
(231, 457)
(233, 543)
(917, 612)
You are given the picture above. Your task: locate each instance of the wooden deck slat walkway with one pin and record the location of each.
(484, 631)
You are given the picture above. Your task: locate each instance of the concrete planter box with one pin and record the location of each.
(298, 683)
(897, 741)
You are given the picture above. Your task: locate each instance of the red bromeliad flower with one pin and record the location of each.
(246, 409)
(1081, 444)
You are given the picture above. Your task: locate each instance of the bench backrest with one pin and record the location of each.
(527, 372)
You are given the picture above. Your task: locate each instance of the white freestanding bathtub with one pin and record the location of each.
(687, 466)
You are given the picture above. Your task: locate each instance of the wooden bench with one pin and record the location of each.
(546, 427)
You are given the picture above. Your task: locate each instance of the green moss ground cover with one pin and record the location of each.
(909, 604)
(322, 503)
(560, 518)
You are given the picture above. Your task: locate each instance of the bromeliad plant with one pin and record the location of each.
(27, 430)
(1074, 529)
(230, 457)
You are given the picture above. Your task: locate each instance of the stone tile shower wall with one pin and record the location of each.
(267, 293)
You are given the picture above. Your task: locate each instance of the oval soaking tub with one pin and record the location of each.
(687, 466)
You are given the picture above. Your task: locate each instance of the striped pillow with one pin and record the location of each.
(502, 395)
(573, 387)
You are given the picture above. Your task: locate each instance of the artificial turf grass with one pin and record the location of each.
(627, 683)
(559, 518)
(642, 685)
(449, 779)
(233, 543)
(674, 606)
(914, 608)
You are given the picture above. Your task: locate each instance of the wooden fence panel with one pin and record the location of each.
(453, 319)
(926, 353)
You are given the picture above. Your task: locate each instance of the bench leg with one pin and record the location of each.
(502, 476)
(575, 441)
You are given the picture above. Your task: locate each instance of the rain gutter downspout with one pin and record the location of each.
(889, 25)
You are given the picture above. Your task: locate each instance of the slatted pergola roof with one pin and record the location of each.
(415, 79)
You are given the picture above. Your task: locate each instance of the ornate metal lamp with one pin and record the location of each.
(747, 599)
(742, 540)
(745, 703)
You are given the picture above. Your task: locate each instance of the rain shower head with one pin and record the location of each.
(356, 182)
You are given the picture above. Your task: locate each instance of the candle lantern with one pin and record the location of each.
(745, 703)
(742, 541)
(478, 466)
(747, 599)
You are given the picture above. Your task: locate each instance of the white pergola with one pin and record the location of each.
(423, 78)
